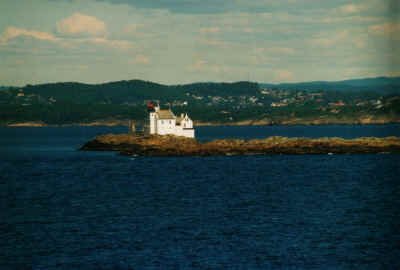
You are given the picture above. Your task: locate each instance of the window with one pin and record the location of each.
(170, 121)
(162, 121)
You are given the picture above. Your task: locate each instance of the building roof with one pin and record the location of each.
(165, 114)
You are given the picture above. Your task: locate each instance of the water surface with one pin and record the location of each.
(65, 209)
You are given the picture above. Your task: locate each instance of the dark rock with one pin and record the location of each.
(128, 144)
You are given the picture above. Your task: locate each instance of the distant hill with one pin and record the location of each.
(351, 101)
(135, 90)
(7, 87)
(384, 85)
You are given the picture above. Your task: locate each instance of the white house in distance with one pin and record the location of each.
(164, 122)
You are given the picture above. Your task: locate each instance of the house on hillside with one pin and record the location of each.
(164, 122)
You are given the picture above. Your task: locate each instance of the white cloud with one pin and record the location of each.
(394, 73)
(209, 30)
(83, 24)
(359, 42)
(83, 67)
(133, 28)
(276, 50)
(351, 8)
(354, 18)
(200, 64)
(112, 43)
(283, 75)
(329, 41)
(141, 59)
(387, 29)
(203, 66)
(11, 33)
(138, 30)
(14, 32)
(215, 43)
(204, 41)
(19, 62)
(78, 24)
(248, 30)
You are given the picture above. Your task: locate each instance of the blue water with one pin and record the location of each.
(65, 209)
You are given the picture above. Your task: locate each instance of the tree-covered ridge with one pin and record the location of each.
(224, 103)
(385, 85)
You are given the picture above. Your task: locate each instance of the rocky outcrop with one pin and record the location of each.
(181, 146)
(28, 124)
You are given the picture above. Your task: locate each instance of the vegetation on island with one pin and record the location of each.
(168, 145)
(355, 101)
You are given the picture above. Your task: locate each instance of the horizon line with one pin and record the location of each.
(200, 82)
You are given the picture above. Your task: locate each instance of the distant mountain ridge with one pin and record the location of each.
(360, 84)
(135, 90)
(382, 84)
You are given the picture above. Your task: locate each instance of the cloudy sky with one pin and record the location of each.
(180, 41)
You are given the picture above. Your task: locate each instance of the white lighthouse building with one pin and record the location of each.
(164, 122)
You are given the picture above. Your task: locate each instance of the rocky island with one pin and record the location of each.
(168, 145)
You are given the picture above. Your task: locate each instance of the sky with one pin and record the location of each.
(183, 41)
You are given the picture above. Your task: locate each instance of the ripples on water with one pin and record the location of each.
(63, 209)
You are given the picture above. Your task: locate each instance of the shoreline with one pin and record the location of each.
(203, 124)
(169, 145)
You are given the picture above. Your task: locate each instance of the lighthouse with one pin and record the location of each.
(164, 122)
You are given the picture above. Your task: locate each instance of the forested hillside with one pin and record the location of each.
(219, 103)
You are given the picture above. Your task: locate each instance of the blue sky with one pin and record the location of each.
(181, 41)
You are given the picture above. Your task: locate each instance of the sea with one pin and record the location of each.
(61, 208)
